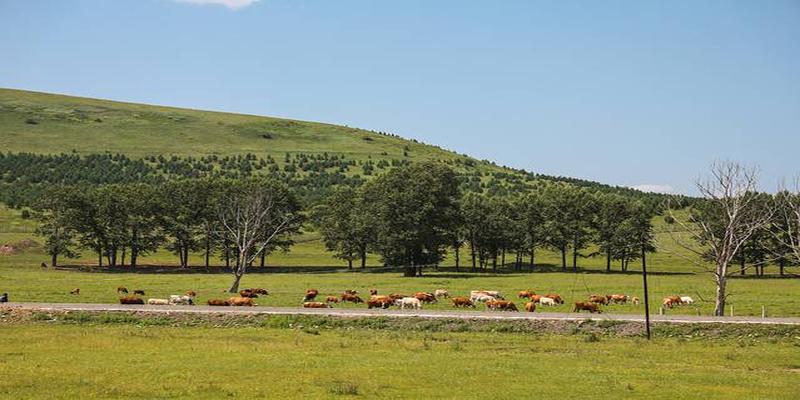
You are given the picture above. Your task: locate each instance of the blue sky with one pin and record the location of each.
(626, 93)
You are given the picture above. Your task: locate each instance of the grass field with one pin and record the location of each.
(132, 361)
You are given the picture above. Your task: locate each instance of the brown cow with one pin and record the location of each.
(598, 299)
(248, 293)
(501, 305)
(311, 294)
(191, 293)
(526, 294)
(555, 298)
(130, 300)
(139, 292)
(315, 304)
(260, 291)
(585, 305)
(241, 301)
(351, 298)
(122, 289)
(425, 297)
(671, 301)
(530, 306)
(351, 292)
(396, 296)
(379, 302)
(635, 301)
(461, 301)
(331, 299)
(75, 291)
(617, 298)
(217, 302)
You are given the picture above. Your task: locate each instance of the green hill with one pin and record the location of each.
(48, 124)
(181, 142)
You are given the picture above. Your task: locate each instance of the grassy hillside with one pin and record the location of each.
(48, 123)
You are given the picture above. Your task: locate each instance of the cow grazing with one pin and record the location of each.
(351, 292)
(44, 265)
(443, 293)
(181, 300)
(482, 298)
(379, 302)
(331, 299)
(687, 300)
(4, 298)
(191, 293)
(586, 306)
(501, 305)
(131, 300)
(546, 301)
(217, 302)
(671, 301)
(260, 291)
(537, 298)
(122, 289)
(635, 301)
(311, 294)
(617, 298)
(75, 291)
(409, 302)
(530, 306)
(373, 292)
(139, 292)
(315, 304)
(247, 293)
(396, 296)
(425, 297)
(158, 302)
(460, 301)
(598, 299)
(351, 298)
(525, 294)
(555, 297)
(241, 301)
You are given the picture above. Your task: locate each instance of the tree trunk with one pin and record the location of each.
(134, 257)
(263, 258)
(54, 259)
(350, 263)
(122, 260)
(99, 256)
(363, 260)
(564, 258)
(533, 252)
(235, 285)
(458, 246)
(721, 278)
(608, 260)
(741, 266)
(575, 257)
(472, 250)
(503, 260)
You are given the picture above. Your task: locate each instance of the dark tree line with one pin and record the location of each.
(120, 223)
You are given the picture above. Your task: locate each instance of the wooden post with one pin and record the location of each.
(660, 310)
(731, 310)
(646, 298)
(763, 312)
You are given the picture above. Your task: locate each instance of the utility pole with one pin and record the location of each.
(646, 299)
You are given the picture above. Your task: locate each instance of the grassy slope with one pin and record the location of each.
(170, 362)
(66, 123)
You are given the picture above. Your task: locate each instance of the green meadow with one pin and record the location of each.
(132, 361)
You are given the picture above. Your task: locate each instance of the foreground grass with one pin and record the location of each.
(124, 361)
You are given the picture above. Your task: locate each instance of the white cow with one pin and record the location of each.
(180, 300)
(158, 302)
(493, 294)
(546, 301)
(411, 302)
(687, 300)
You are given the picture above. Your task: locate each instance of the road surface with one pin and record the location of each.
(433, 314)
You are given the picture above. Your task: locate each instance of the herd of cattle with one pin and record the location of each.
(492, 299)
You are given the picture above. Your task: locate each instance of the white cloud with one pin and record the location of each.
(232, 4)
(667, 189)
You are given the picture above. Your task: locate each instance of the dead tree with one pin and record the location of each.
(251, 218)
(724, 220)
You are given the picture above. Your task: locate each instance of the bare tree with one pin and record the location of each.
(788, 219)
(251, 218)
(723, 222)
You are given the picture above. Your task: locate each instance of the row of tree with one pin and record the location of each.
(397, 207)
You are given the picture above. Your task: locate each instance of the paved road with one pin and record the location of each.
(350, 312)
